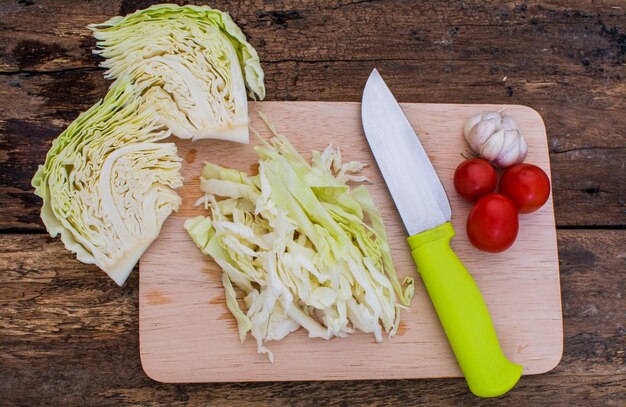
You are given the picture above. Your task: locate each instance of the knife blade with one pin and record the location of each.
(425, 211)
(407, 170)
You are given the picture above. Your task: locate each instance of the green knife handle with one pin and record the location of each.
(463, 314)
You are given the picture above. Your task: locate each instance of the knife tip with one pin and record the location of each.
(373, 81)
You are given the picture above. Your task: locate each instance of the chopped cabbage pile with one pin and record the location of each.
(191, 63)
(294, 240)
(107, 185)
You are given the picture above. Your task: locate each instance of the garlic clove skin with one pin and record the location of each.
(514, 149)
(471, 122)
(509, 123)
(510, 149)
(491, 149)
(481, 132)
(494, 116)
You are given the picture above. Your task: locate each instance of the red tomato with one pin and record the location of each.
(527, 186)
(492, 223)
(474, 178)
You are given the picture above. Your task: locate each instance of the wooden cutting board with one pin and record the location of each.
(188, 335)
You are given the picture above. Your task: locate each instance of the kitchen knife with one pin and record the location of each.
(425, 211)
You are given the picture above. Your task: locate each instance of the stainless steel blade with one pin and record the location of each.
(408, 172)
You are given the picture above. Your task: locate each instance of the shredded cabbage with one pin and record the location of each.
(295, 241)
(190, 63)
(107, 184)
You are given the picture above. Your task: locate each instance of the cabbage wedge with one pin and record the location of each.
(191, 64)
(107, 184)
(294, 240)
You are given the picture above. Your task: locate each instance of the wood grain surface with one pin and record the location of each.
(187, 334)
(69, 335)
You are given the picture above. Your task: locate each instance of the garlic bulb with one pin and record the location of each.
(496, 138)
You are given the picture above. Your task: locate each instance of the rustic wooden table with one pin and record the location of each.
(68, 334)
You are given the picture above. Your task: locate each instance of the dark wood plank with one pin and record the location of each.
(68, 336)
(566, 61)
(330, 30)
(49, 35)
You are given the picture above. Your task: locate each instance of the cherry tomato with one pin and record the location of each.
(492, 223)
(527, 186)
(474, 178)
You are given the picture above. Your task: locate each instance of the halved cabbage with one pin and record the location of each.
(294, 239)
(189, 64)
(107, 184)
